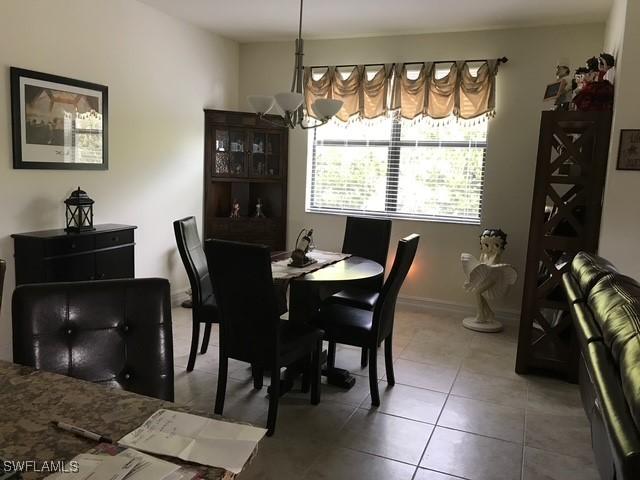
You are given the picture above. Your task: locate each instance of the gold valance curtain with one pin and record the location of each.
(458, 93)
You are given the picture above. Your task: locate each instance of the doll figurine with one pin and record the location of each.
(235, 210)
(607, 68)
(488, 279)
(565, 92)
(259, 212)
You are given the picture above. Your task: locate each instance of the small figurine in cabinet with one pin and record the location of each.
(235, 209)
(259, 211)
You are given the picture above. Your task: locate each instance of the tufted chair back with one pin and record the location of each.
(114, 332)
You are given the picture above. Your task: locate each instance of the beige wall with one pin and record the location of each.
(161, 73)
(533, 53)
(620, 232)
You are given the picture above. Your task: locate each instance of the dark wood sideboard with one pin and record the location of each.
(57, 256)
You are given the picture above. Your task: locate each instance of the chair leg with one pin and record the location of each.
(205, 338)
(316, 374)
(388, 360)
(222, 384)
(258, 376)
(195, 337)
(331, 356)
(364, 357)
(306, 375)
(274, 397)
(373, 377)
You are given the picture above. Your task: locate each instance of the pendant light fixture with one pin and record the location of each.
(291, 103)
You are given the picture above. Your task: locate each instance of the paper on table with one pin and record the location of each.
(128, 464)
(196, 439)
(98, 467)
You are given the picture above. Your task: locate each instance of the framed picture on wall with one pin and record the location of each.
(629, 150)
(58, 122)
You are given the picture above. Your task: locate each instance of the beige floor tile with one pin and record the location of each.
(435, 352)
(423, 375)
(280, 459)
(568, 434)
(472, 456)
(385, 435)
(408, 402)
(504, 391)
(543, 465)
(547, 395)
(484, 418)
(424, 474)
(193, 384)
(491, 363)
(297, 418)
(345, 464)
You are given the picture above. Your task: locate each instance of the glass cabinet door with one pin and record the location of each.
(273, 155)
(237, 145)
(258, 154)
(230, 153)
(221, 151)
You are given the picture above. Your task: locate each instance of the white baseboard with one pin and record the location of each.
(505, 315)
(179, 296)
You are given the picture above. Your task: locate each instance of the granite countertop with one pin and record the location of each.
(31, 399)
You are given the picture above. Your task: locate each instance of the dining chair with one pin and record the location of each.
(364, 328)
(3, 270)
(204, 308)
(250, 326)
(368, 238)
(113, 332)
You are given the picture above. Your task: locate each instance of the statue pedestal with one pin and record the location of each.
(487, 326)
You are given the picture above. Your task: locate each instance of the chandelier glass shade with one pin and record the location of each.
(292, 103)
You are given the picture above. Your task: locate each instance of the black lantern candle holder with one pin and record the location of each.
(79, 212)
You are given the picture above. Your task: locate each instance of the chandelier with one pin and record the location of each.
(291, 103)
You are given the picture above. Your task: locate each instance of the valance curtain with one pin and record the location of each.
(458, 93)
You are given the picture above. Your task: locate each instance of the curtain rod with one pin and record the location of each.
(499, 60)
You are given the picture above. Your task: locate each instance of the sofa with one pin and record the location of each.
(605, 308)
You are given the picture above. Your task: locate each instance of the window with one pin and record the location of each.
(398, 168)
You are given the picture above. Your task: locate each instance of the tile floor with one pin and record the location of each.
(457, 410)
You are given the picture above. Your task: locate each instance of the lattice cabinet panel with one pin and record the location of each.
(565, 219)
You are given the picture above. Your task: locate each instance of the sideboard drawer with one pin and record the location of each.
(67, 245)
(112, 239)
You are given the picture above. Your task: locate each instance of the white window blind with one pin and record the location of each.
(398, 168)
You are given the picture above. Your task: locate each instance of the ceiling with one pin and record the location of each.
(265, 20)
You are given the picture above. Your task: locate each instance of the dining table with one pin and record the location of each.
(31, 399)
(308, 290)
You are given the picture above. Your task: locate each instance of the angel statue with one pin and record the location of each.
(488, 279)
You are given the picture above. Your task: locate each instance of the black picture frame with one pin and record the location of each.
(38, 142)
(629, 150)
(552, 91)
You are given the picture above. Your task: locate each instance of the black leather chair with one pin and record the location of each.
(3, 269)
(367, 329)
(250, 327)
(113, 332)
(367, 238)
(203, 302)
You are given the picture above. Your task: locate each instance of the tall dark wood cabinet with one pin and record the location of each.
(245, 162)
(565, 219)
(57, 256)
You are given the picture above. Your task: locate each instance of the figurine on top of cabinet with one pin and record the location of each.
(565, 92)
(607, 68)
(595, 95)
